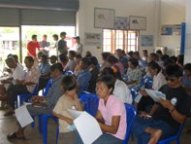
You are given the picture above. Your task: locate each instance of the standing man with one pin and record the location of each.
(78, 46)
(62, 44)
(54, 50)
(32, 46)
(44, 45)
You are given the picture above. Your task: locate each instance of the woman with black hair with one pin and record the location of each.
(121, 90)
(158, 81)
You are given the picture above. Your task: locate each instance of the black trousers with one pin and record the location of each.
(13, 91)
(145, 104)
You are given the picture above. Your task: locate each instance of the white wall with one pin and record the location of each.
(124, 8)
(172, 12)
(187, 58)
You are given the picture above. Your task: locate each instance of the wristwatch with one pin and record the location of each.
(171, 110)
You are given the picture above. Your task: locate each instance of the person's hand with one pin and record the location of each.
(143, 92)
(166, 104)
(144, 115)
(37, 99)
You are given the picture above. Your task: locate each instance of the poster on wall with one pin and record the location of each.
(169, 30)
(166, 30)
(137, 23)
(147, 40)
(177, 29)
(121, 23)
(104, 18)
(94, 39)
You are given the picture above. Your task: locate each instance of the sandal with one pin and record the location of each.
(9, 113)
(14, 136)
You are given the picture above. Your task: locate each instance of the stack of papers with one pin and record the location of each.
(155, 95)
(86, 125)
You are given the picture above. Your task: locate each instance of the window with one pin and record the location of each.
(120, 39)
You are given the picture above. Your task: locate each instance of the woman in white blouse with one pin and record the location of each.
(158, 80)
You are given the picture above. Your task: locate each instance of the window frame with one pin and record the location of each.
(126, 37)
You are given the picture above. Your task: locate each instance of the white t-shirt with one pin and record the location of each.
(122, 92)
(158, 81)
(18, 73)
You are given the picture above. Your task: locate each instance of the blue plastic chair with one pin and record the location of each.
(90, 102)
(21, 98)
(175, 137)
(47, 87)
(44, 126)
(134, 93)
(131, 113)
(146, 82)
(68, 73)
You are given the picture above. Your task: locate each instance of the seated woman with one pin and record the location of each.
(69, 100)
(158, 81)
(134, 73)
(111, 113)
(168, 114)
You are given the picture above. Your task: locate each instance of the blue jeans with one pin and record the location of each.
(103, 139)
(140, 124)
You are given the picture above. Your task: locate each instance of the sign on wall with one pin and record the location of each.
(121, 23)
(104, 18)
(137, 23)
(147, 40)
(94, 39)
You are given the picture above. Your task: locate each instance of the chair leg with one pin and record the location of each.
(44, 122)
(40, 124)
(178, 141)
(33, 123)
(57, 134)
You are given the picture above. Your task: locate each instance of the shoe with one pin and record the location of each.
(9, 113)
(14, 136)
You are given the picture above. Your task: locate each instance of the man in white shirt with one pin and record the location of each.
(77, 47)
(17, 72)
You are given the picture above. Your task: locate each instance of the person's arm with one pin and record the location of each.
(180, 118)
(113, 127)
(99, 117)
(154, 108)
(68, 120)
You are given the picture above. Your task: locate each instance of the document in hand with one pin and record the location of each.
(155, 95)
(23, 116)
(86, 125)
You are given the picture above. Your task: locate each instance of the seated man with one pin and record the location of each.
(16, 75)
(44, 105)
(24, 86)
(84, 76)
(166, 116)
(44, 68)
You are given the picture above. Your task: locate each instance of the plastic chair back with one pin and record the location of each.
(90, 102)
(21, 98)
(175, 137)
(130, 113)
(47, 87)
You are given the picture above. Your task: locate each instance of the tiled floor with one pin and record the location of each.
(8, 125)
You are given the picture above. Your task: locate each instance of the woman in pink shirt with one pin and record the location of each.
(111, 113)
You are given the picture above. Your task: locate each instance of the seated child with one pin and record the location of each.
(69, 100)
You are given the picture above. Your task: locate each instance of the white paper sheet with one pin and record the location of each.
(74, 113)
(87, 126)
(23, 116)
(155, 95)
